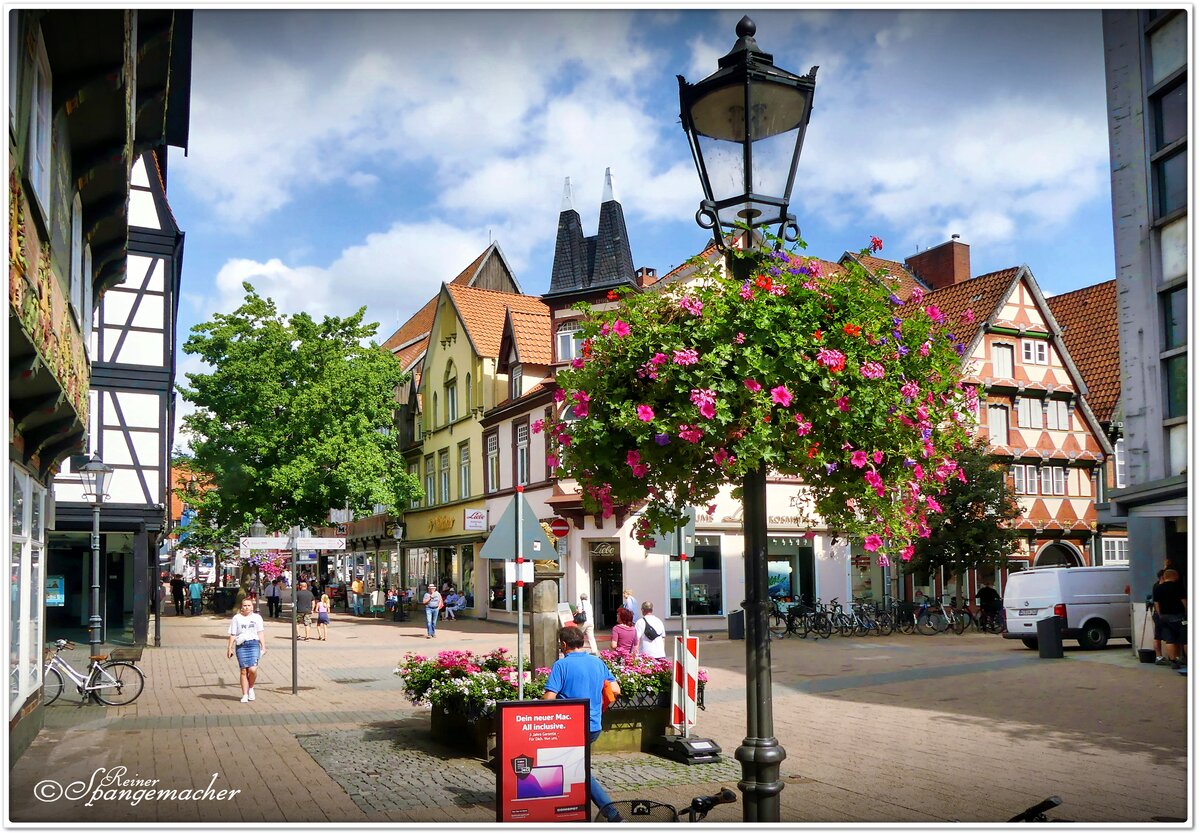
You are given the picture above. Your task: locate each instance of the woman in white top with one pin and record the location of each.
(655, 647)
(246, 638)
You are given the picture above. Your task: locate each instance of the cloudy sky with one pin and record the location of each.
(340, 159)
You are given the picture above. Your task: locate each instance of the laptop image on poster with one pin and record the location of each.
(543, 781)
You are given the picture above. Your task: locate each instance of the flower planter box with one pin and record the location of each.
(625, 729)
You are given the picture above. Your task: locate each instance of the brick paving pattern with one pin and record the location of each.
(899, 729)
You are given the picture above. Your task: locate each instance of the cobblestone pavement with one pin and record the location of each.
(898, 729)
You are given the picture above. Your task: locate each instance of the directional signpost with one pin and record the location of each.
(512, 537)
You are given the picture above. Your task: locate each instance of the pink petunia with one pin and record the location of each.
(578, 362)
(843, 404)
(552, 461)
(803, 427)
(782, 396)
(536, 426)
(858, 458)
(721, 457)
(620, 328)
(935, 314)
(559, 395)
(877, 457)
(582, 399)
(873, 542)
(932, 504)
(658, 359)
(640, 470)
(632, 457)
(752, 385)
(645, 413)
(910, 389)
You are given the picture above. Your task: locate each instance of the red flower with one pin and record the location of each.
(763, 281)
(876, 244)
(851, 329)
(812, 450)
(612, 295)
(817, 335)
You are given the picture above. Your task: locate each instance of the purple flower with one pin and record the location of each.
(894, 299)
(662, 438)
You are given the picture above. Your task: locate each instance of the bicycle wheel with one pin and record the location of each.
(117, 683)
(822, 625)
(798, 625)
(884, 624)
(777, 625)
(925, 624)
(959, 622)
(52, 687)
(845, 625)
(996, 624)
(861, 628)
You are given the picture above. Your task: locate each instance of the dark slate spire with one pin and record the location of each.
(570, 270)
(613, 263)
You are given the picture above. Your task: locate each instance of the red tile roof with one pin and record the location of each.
(532, 334)
(903, 280)
(1090, 330)
(483, 311)
(982, 295)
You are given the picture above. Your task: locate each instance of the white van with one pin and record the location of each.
(1094, 600)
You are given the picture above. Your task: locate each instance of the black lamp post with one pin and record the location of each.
(745, 124)
(95, 476)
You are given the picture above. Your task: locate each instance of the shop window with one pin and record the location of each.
(26, 592)
(704, 582)
(466, 585)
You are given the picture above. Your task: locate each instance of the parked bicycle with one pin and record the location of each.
(1037, 812)
(934, 617)
(650, 811)
(109, 682)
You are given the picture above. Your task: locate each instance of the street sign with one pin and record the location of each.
(502, 541)
(331, 543)
(262, 542)
(526, 575)
(559, 527)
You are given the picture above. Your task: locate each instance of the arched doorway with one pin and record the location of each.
(1058, 554)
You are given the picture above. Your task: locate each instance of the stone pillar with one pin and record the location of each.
(543, 620)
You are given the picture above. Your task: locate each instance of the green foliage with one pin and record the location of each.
(974, 527)
(295, 418)
(770, 365)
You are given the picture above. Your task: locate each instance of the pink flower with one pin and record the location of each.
(552, 461)
(877, 457)
(620, 328)
(581, 403)
(645, 413)
(873, 542)
(876, 244)
(858, 458)
(906, 553)
(803, 427)
(935, 315)
(721, 457)
(689, 433)
(691, 305)
(740, 338)
(884, 561)
(924, 350)
(910, 389)
(752, 385)
(932, 504)
(632, 457)
(871, 370)
(640, 470)
(833, 360)
(747, 291)
(536, 426)
(968, 316)
(782, 396)
(917, 295)
(843, 403)
(559, 395)
(705, 400)
(578, 362)
(686, 356)
(658, 359)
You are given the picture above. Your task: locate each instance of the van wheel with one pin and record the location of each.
(1030, 643)
(1094, 635)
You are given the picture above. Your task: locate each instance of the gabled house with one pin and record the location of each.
(1090, 328)
(90, 92)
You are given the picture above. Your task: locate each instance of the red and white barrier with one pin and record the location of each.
(685, 683)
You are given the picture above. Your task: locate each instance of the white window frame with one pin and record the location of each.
(1018, 476)
(451, 401)
(1058, 415)
(89, 309)
(515, 376)
(1029, 413)
(1054, 481)
(521, 446)
(464, 471)
(444, 475)
(493, 462)
(28, 552)
(1002, 352)
(1035, 352)
(1115, 550)
(568, 342)
(76, 294)
(430, 482)
(41, 127)
(1119, 463)
(995, 410)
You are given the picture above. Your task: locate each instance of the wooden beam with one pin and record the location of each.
(21, 409)
(24, 367)
(57, 451)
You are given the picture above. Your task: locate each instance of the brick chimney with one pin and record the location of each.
(942, 265)
(646, 276)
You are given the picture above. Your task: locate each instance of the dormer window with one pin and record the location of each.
(515, 381)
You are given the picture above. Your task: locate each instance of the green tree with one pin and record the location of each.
(974, 526)
(295, 417)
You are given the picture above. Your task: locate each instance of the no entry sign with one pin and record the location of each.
(559, 527)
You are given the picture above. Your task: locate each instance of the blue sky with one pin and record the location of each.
(340, 159)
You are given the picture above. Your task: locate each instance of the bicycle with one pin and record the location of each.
(109, 682)
(651, 811)
(1037, 812)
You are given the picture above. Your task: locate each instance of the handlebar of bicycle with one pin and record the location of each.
(62, 643)
(1033, 813)
(703, 805)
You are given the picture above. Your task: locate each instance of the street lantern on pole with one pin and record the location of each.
(95, 476)
(257, 528)
(745, 124)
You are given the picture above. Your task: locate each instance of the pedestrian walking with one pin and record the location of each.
(323, 618)
(247, 638)
(274, 595)
(177, 592)
(1170, 602)
(197, 591)
(588, 625)
(580, 675)
(628, 601)
(650, 633)
(432, 601)
(624, 634)
(305, 606)
(356, 595)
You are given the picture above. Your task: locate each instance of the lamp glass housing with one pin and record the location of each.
(95, 477)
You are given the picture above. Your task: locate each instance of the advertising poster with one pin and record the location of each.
(56, 590)
(566, 617)
(544, 761)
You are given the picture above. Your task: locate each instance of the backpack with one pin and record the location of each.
(650, 632)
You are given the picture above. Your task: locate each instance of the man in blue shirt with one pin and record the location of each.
(581, 675)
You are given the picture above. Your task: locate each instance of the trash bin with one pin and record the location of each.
(1049, 632)
(224, 599)
(737, 625)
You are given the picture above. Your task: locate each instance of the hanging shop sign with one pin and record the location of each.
(474, 520)
(544, 761)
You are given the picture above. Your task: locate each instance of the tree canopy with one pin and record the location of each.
(296, 417)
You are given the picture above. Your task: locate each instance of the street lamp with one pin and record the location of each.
(745, 124)
(258, 528)
(95, 476)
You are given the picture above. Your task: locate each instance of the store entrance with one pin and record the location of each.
(607, 583)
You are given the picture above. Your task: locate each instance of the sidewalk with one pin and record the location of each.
(905, 728)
